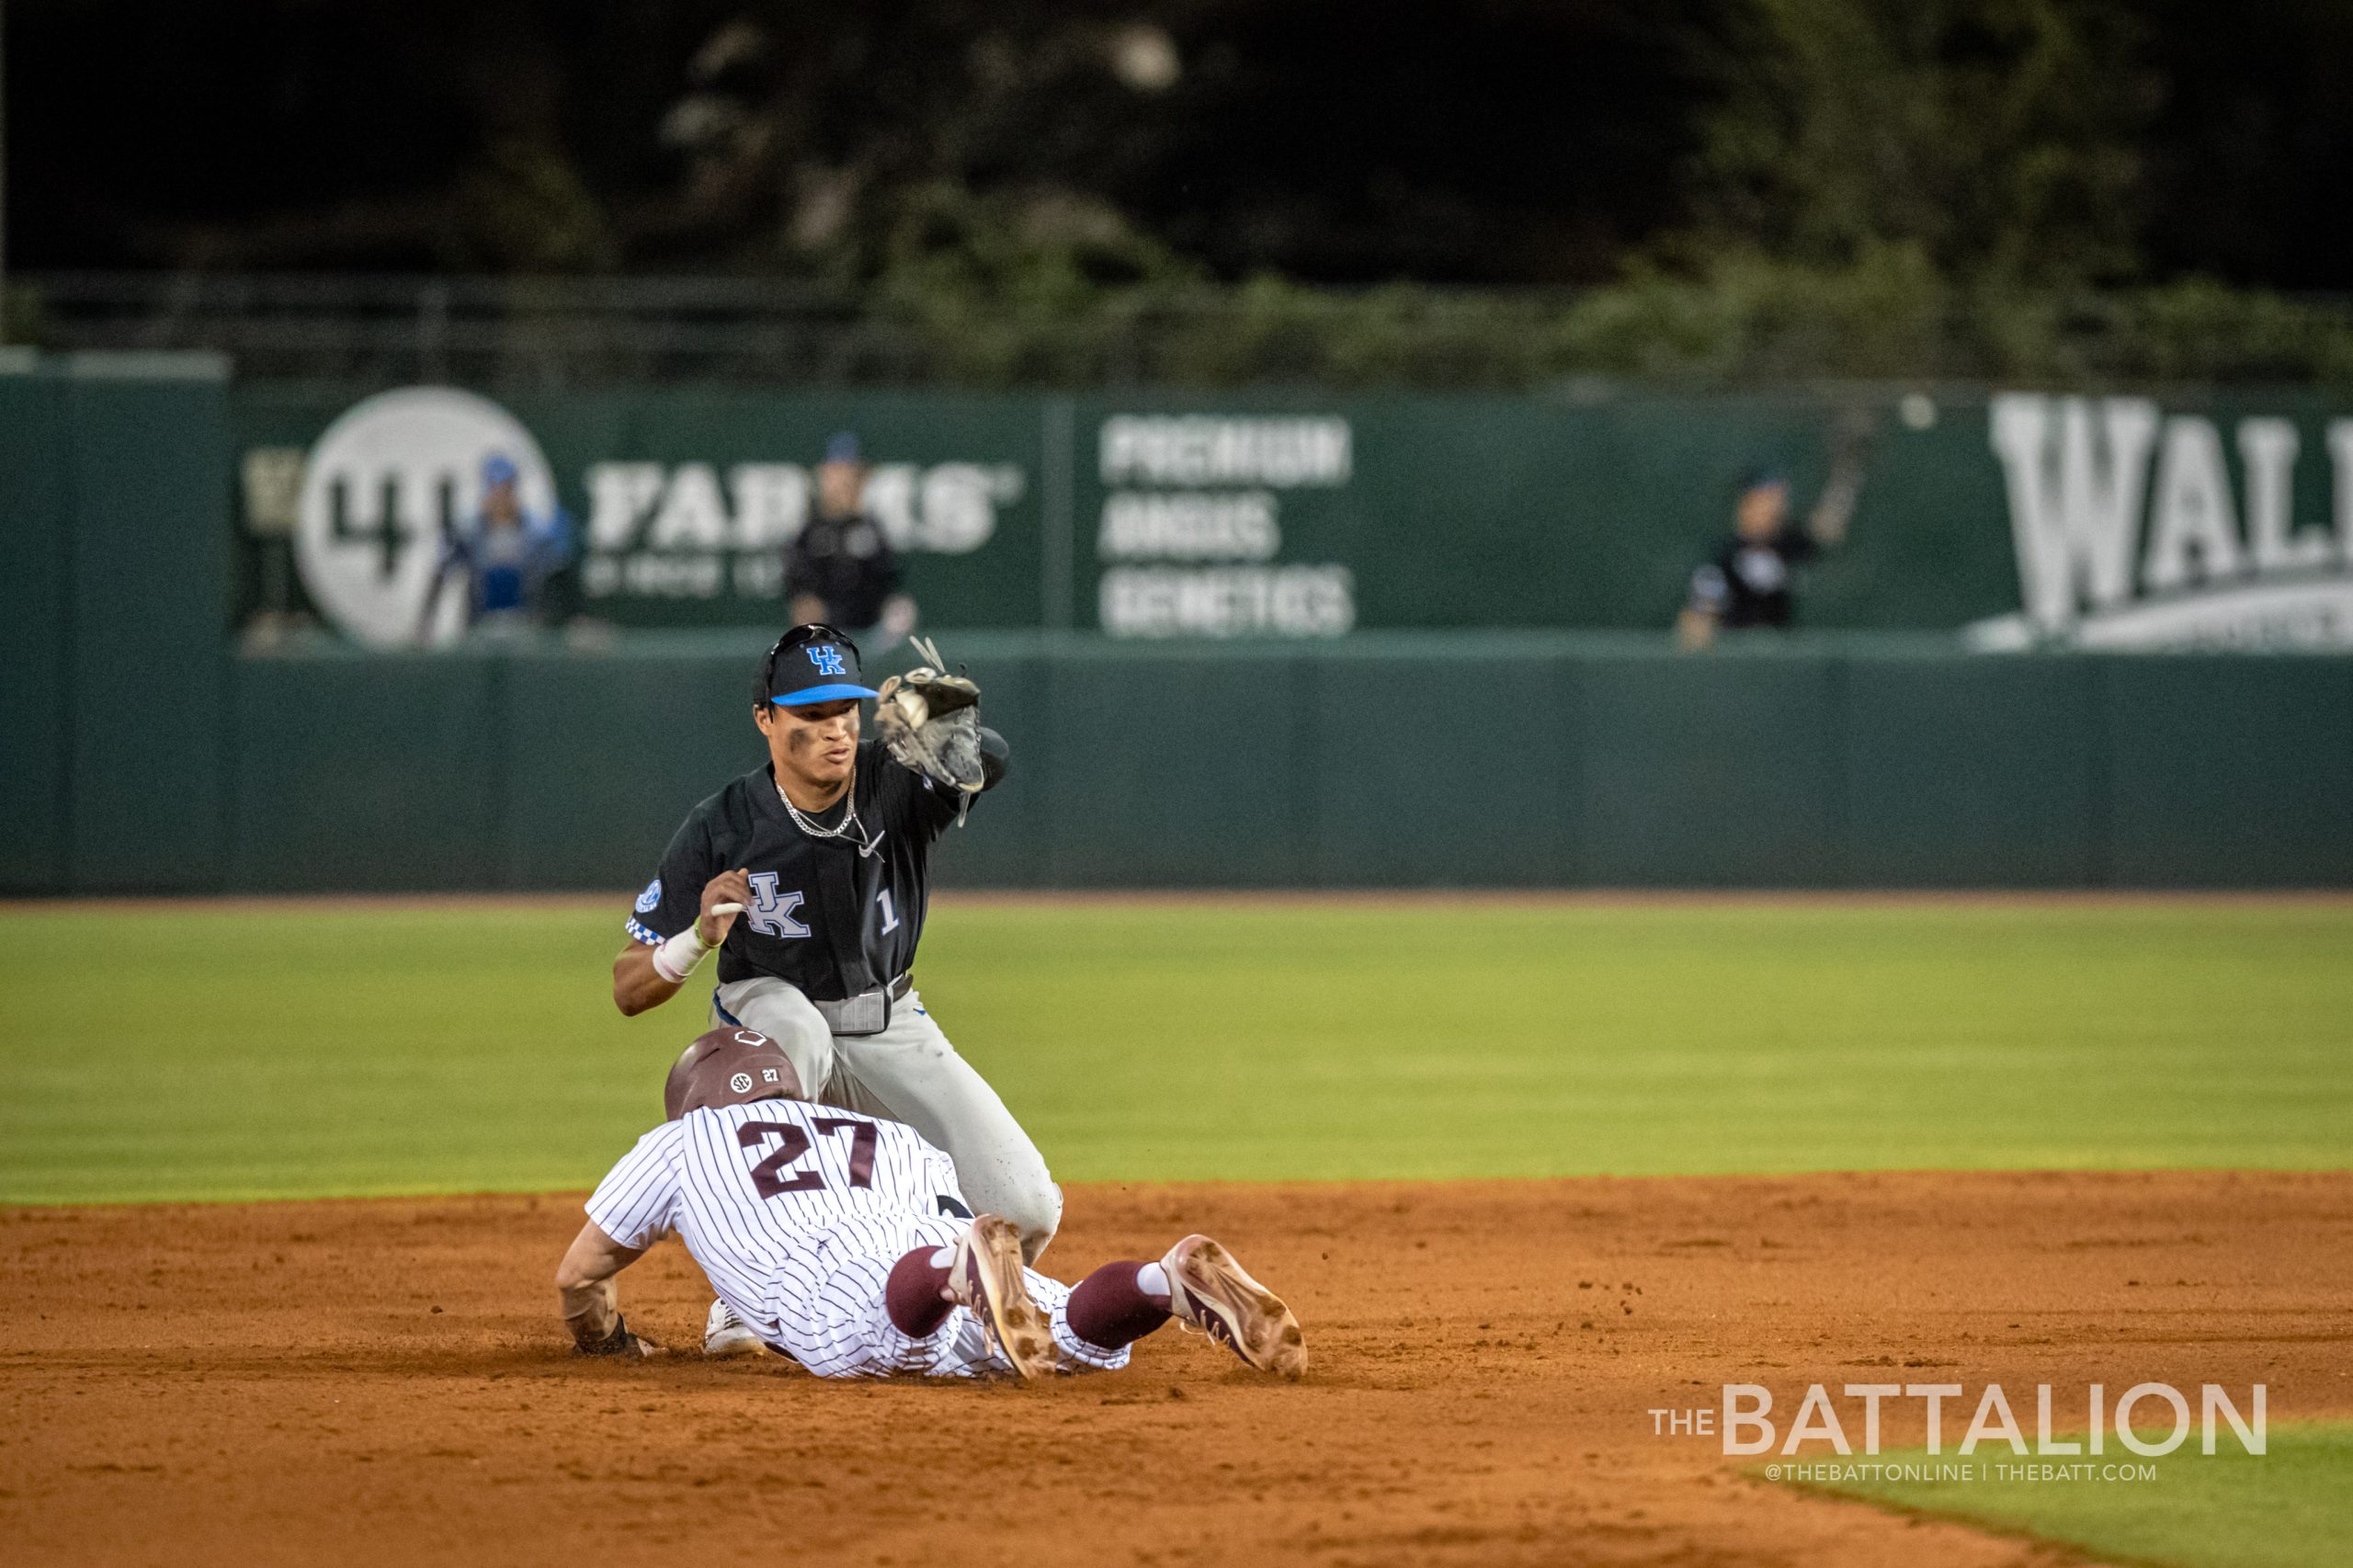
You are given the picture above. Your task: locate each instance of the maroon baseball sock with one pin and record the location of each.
(913, 1298)
(1109, 1308)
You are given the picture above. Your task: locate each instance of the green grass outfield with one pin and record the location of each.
(2289, 1508)
(237, 1051)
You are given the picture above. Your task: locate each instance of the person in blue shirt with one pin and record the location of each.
(505, 555)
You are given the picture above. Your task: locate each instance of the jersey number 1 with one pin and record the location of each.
(768, 1179)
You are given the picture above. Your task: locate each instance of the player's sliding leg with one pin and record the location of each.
(845, 1308)
(1198, 1284)
(982, 1274)
(1207, 1291)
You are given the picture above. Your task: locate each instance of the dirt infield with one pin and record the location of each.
(385, 1382)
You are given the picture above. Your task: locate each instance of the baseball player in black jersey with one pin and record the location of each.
(811, 877)
(1751, 580)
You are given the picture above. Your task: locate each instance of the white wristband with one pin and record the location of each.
(676, 959)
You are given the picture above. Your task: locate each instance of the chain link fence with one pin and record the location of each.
(1762, 326)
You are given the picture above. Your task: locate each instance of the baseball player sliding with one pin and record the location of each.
(843, 1241)
(810, 875)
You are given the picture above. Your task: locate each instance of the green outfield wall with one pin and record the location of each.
(1495, 760)
(143, 754)
(116, 582)
(2018, 516)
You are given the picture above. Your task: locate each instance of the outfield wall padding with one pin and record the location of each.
(114, 564)
(1532, 762)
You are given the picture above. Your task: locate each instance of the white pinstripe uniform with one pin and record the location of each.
(796, 1212)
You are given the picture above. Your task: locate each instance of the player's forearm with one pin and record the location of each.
(589, 1300)
(590, 1310)
(637, 984)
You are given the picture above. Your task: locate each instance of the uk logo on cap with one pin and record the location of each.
(828, 658)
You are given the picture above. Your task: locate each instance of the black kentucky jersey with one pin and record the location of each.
(1752, 582)
(832, 916)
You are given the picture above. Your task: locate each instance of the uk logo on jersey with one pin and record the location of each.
(772, 907)
(828, 658)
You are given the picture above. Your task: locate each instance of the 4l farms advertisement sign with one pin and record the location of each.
(695, 537)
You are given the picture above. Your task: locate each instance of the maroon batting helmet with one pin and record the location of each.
(729, 1066)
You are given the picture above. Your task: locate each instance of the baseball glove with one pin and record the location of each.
(931, 722)
(620, 1342)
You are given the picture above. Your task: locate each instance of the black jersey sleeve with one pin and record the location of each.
(672, 900)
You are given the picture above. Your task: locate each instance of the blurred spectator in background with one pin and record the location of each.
(506, 555)
(1751, 579)
(841, 570)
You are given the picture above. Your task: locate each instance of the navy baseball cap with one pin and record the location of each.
(812, 663)
(842, 448)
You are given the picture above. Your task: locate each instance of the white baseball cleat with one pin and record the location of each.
(985, 1278)
(1209, 1292)
(725, 1334)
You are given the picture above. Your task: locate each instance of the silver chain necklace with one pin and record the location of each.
(844, 829)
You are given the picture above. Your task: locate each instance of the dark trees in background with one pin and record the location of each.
(1483, 141)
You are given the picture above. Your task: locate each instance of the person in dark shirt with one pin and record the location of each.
(1750, 581)
(841, 569)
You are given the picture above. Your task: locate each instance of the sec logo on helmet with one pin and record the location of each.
(740, 1082)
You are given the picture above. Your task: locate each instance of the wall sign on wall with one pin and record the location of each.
(1191, 526)
(2129, 532)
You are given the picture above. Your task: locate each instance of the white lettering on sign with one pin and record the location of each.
(2340, 451)
(958, 506)
(2267, 447)
(948, 508)
(1228, 601)
(1188, 525)
(1202, 449)
(2193, 512)
(693, 514)
(2076, 518)
(771, 503)
(620, 496)
(2089, 480)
